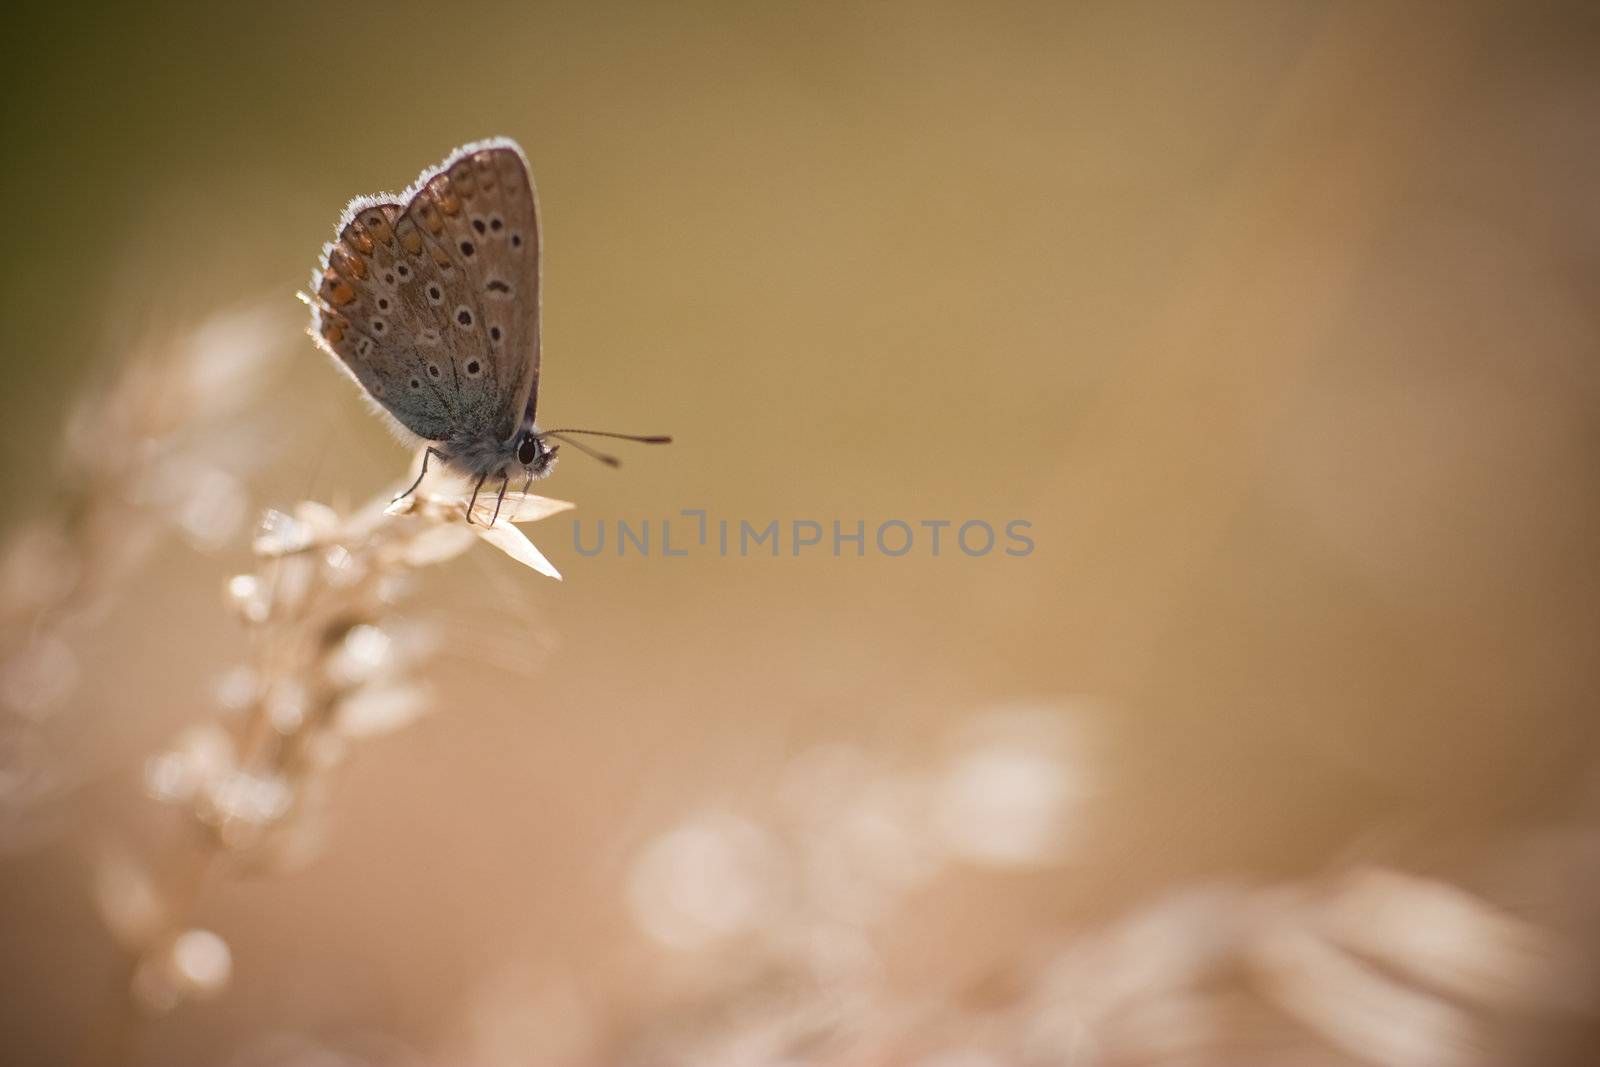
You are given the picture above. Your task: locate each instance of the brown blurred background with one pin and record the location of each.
(1276, 320)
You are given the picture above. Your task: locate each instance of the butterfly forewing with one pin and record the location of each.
(479, 228)
(434, 305)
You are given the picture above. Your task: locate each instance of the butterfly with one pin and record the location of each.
(430, 301)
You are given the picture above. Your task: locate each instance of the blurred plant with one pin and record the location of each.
(784, 925)
(167, 447)
(1371, 965)
(787, 917)
(331, 664)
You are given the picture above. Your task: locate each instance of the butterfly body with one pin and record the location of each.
(479, 458)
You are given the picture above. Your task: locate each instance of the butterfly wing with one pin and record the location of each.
(433, 306)
(359, 320)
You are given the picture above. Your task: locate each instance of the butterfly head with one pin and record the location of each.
(535, 456)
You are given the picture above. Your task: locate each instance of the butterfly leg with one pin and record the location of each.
(527, 485)
(427, 454)
(501, 499)
(474, 501)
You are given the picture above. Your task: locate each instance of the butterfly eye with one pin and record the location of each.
(528, 450)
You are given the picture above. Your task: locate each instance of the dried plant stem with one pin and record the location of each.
(330, 664)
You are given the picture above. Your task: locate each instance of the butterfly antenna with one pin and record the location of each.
(650, 439)
(603, 457)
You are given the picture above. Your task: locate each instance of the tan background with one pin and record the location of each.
(1275, 320)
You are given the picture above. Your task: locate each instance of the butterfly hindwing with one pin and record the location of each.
(363, 320)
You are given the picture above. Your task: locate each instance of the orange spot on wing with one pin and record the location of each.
(445, 196)
(356, 237)
(430, 218)
(347, 262)
(410, 239)
(336, 290)
(378, 226)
